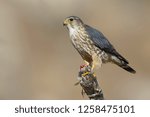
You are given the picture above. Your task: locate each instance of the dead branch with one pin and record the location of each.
(88, 81)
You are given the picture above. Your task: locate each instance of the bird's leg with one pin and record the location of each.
(86, 63)
(92, 67)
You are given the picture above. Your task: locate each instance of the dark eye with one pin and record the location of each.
(71, 19)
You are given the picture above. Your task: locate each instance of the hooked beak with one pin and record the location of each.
(65, 23)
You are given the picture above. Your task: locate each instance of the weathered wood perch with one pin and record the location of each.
(88, 81)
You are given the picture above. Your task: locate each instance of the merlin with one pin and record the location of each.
(93, 46)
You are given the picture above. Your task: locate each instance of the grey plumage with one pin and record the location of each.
(92, 45)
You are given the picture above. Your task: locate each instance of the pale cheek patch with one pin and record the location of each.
(72, 31)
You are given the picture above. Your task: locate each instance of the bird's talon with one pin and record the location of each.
(86, 73)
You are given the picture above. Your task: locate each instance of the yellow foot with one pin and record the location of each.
(86, 63)
(86, 73)
(92, 67)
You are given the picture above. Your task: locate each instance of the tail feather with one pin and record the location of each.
(127, 68)
(123, 64)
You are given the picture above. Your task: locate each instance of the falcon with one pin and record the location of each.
(93, 46)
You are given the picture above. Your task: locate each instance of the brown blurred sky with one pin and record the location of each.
(37, 60)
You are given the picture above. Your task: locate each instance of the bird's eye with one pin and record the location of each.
(71, 19)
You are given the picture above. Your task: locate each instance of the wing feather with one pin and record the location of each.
(101, 42)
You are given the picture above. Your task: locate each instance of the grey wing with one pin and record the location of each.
(101, 42)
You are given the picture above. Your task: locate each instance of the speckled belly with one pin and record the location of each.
(89, 51)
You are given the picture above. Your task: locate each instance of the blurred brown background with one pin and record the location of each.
(37, 60)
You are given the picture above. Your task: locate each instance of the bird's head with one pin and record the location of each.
(72, 22)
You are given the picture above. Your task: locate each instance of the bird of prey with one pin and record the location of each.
(92, 45)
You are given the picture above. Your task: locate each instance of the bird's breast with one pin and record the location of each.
(80, 41)
(85, 46)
